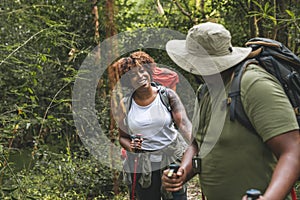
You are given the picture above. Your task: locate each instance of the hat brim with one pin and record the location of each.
(203, 63)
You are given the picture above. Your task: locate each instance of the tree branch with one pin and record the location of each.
(182, 10)
(19, 47)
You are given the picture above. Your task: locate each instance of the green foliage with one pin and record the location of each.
(138, 14)
(61, 176)
(36, 68)
(43, 44)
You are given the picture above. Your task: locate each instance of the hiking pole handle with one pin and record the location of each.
(173, 168)
(253, 194)
(136, 139)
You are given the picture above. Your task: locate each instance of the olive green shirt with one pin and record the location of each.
(240, 160)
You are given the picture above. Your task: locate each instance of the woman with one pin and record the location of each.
(158, 143)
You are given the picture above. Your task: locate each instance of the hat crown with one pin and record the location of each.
(206, 50)
(212, 37)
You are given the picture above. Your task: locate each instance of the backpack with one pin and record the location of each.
(276, 59)
(164, 97)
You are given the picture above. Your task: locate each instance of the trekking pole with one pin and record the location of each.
(134, 178)
(254, 194)
(138, 136)
(196, 163)
(293, 194)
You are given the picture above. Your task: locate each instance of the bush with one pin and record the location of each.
(61, 176)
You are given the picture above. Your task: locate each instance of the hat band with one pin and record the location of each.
(201, 52)
(220, 52)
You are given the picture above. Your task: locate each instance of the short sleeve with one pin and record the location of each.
(266, 103)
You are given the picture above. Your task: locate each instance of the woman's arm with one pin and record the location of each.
(124, 137)
(179, 116)
(125, 140)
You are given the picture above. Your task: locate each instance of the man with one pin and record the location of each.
(239, 159)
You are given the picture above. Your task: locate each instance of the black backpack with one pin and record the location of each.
(276, 59)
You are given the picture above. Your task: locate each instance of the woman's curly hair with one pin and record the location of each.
(136, 59)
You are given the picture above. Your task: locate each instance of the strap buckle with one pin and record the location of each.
(297, 111)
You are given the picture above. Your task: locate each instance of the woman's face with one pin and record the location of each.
(139, 77)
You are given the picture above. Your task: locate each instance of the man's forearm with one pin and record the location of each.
(186, 162)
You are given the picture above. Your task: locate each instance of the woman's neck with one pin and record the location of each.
(144, 96)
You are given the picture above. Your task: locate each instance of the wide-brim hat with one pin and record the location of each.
(207, 50)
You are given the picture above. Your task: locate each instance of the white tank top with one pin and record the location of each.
(154, 122)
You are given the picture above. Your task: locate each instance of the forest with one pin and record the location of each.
(48, 82)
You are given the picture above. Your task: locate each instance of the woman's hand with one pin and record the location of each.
(136, 144)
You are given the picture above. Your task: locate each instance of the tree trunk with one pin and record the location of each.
(96, 21)
(282, 31)
(252, 21)
(113, 78)
(110, 31)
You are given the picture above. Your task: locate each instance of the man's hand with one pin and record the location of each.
(260, 198)
(175, 182)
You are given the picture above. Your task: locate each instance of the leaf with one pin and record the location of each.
(273, 19)
(10, 189)
(290, 13)
(50, 117)
(266, 7)
(258, 5)
(30, 90)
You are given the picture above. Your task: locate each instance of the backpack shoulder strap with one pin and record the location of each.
(201, 91)
(162, 91)
(236, 108)
(164, 95)
(127, 100)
